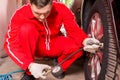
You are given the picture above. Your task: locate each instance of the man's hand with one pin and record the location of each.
(91, 45)
(38, 70)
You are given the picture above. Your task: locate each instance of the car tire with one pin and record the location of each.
(110, 50)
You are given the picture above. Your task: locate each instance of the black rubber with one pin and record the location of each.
(60, 74)
(27, 77)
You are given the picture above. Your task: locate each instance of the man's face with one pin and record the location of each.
(41, 13)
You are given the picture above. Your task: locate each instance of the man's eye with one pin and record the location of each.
(37, 13)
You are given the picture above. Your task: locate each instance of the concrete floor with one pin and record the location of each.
(75, 72)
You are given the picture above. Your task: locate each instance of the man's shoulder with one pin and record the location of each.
(23, 8)
(60, 7)
(58, 4)
(21, 11)
(20, 14)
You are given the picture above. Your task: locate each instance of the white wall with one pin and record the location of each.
(7, 7)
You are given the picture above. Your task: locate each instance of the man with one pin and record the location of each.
(34, 30)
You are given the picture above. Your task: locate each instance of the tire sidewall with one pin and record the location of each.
(99, 7)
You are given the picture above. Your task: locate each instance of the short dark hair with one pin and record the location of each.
(40, 3)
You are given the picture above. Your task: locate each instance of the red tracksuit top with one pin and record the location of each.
(59, 15)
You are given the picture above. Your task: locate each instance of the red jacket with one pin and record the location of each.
(60, 14)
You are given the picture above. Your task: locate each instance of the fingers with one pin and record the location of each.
(46, 73)
(90, 41)
(95, 46)
(43, 77)
(47, 67)
(91, 48)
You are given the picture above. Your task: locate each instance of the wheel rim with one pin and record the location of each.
(95, 30)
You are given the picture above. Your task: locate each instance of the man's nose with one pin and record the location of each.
(42, 16)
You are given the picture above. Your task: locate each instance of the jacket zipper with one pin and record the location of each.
(48, 32)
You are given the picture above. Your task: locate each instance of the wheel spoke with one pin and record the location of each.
(95, 30)
(95, 27)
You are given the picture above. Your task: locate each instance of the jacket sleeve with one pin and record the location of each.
(12, 45)
(72, 29)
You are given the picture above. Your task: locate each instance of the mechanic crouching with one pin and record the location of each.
(34, 30)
